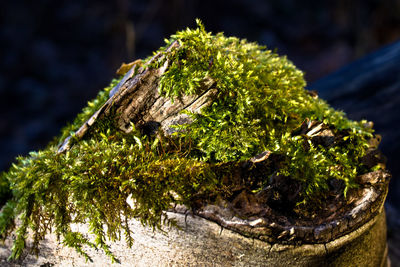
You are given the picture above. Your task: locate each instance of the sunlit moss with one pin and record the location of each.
(261, 101)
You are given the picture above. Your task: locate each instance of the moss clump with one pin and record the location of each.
(260, 105)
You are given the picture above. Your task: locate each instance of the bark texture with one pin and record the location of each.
(136, 100)
(363, 204)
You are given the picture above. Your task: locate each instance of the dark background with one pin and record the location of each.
(56, 55)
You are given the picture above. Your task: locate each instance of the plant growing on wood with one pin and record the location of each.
(260, 104)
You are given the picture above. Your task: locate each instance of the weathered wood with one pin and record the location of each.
(256, 220)
(136, 100)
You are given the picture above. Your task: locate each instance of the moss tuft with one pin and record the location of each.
(260, 105)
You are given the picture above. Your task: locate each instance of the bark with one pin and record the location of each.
(249, 215)
(136, 99)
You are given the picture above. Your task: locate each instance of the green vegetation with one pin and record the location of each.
(261, 103)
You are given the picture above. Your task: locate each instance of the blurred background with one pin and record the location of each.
(56, 55)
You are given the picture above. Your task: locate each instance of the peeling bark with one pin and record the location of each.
(136, 100)
(254, 219)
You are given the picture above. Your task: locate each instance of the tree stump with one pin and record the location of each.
(244, 227)
(354, 236)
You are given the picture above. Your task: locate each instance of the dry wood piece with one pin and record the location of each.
(136, 100)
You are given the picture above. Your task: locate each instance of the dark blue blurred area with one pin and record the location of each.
(56, 55)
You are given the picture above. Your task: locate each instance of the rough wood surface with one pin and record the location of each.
(136, 99)
(363, 204)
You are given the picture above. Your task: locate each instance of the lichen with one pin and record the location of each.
(260, 104)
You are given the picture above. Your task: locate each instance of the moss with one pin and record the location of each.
(261, 103)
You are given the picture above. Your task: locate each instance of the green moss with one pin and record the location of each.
(261, 102)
